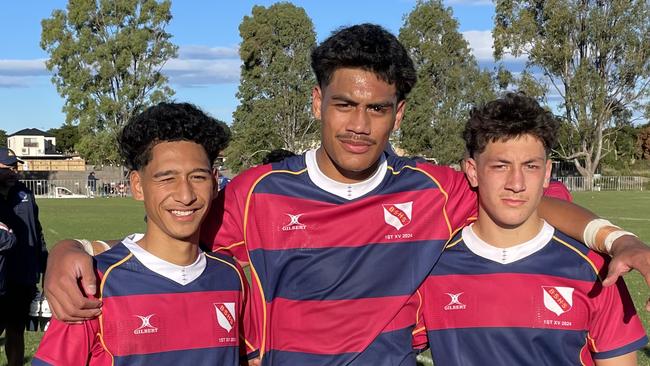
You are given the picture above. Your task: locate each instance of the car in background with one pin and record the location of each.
(63, 192)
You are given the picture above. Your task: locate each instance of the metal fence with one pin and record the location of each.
(66, 188)
(606, 183)
(121, 188)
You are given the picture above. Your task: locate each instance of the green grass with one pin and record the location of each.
(629, 210)
(112, 218)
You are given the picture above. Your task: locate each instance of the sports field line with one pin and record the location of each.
(629, 218)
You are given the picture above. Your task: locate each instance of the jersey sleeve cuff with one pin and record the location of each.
(630, 347)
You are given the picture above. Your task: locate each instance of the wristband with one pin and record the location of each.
(103, 244)
(611, 237)
(591, 231)
(88, 247)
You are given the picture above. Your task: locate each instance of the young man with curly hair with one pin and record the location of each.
(165, 301)
(510, 289)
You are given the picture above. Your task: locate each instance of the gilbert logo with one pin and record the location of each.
(558, 299)
(398, 215)
(146, 327)
(294, 223)
(225, 315)
(454, 303)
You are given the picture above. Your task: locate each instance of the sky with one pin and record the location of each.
(206, 71)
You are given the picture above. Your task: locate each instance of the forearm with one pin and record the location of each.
(567, 217)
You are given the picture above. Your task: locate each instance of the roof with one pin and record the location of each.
(31, 132)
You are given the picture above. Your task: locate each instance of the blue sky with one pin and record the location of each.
(207, 70)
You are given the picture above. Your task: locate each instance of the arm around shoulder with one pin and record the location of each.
(68, 265)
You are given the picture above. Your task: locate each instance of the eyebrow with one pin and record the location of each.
(343, 98)
(175, 172)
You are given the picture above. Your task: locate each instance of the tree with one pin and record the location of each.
(643, 143)
(3, 138)
(276, 79)
(593, 53)
(449, 83)
(67, 136)
(107, 57)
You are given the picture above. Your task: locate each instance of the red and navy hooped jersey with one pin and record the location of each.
(334, 278)
(150, 319)
(546, 308)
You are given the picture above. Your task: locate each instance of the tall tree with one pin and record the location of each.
(67, 136)
(107, 57)
(3, 138)
(449, 83)
(593, 53)
(274, 110)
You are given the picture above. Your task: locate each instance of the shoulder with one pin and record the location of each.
(251, 177)
(592, 262)
(113, 257)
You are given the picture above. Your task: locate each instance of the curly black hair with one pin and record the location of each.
(513, 115)
(166, 122)
(368, 47)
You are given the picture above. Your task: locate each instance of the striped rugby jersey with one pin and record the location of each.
(334, 267)
(155, 312)
(537, 303)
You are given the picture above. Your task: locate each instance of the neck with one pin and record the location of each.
(179, 252)
(334, 172)
(502, 236)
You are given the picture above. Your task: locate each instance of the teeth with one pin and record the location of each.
(182, 213)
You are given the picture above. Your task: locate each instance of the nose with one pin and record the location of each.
(184, 192)
(359, 121)
(516, 182)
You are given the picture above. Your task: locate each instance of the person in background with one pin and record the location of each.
(26, 261)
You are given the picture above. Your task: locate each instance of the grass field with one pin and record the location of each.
(111, 218)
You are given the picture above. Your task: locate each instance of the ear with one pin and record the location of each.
(401, 106)
(136, 185)
(316, 102)
(547, 174)
(470, 169)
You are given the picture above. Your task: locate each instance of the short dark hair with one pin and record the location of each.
(167, 122)
(513, 115)
(368, 47)
(276, 156)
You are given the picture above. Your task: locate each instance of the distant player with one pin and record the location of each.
(510, 289)
(165, 301)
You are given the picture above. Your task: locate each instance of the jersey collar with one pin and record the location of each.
(344, 190)
(179, 274)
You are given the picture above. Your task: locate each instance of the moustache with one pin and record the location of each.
(355, 137)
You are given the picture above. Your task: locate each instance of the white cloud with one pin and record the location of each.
(202, 65)
(480, 41)
(207, 53)
(23, 67)
(193, 72)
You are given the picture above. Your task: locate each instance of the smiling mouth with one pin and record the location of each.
(182, 213)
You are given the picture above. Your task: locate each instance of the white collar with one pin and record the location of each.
(343, 190)
(507, 255)
(179, 274)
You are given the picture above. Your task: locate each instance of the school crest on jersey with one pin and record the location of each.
(226, 315)
(558, 299)
(398, 215)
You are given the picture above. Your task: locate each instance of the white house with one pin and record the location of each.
(32, 143)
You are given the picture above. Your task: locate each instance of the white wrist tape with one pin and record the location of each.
(591, 230)
(103, 243)
(87, 245)
(609, 240)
